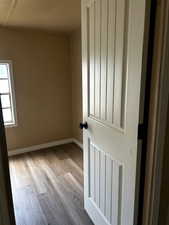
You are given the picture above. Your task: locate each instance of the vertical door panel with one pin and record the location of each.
(97, 56)
(108, 29)
(106, 184)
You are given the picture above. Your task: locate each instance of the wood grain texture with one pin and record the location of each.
(47, 187)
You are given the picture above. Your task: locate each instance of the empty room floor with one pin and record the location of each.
(47, 187)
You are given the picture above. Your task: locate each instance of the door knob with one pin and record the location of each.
(83, 125)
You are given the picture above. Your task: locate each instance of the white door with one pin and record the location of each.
(112, 46)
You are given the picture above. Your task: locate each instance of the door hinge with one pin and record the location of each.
(141, 131)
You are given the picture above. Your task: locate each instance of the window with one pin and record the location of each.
(7, 93)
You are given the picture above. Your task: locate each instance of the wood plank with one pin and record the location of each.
(92, 172)
(104, 51)
(111, 58)
(47, 187)
(97, 176)
(115, 194)
(27, 208)
(92, 58)
(102, 183)
(119, 62)
(97, 56)
(108, 188)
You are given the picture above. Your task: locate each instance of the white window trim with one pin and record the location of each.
(12, 91)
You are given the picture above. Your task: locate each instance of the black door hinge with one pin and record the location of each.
(141, 131)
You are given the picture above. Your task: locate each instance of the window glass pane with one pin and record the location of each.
(7, 115)
(5, 100)
(4, 86)
(3, 71)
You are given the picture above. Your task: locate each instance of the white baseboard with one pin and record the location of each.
(39, 147)
(43, 146)
(78, 143)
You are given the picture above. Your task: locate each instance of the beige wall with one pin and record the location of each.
(42, 83)
(75, 53)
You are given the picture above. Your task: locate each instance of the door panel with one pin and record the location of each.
(105, 184)
(112, 45)
(107, 55)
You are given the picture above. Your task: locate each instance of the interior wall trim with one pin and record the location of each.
(43, 146)
(80, 144)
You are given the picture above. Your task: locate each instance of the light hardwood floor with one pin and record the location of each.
(47, 187)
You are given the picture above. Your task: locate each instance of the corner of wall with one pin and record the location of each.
(75, 64)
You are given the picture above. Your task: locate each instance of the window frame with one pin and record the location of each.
(11, 94)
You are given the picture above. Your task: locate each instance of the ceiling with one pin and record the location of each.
(59, 15)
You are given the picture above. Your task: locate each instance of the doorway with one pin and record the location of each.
(124, 127)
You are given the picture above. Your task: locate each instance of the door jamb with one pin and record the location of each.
(6, 203)
(149, 40)
(159, 95)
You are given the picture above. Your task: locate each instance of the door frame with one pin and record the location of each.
(159, 95)
(6, 202)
